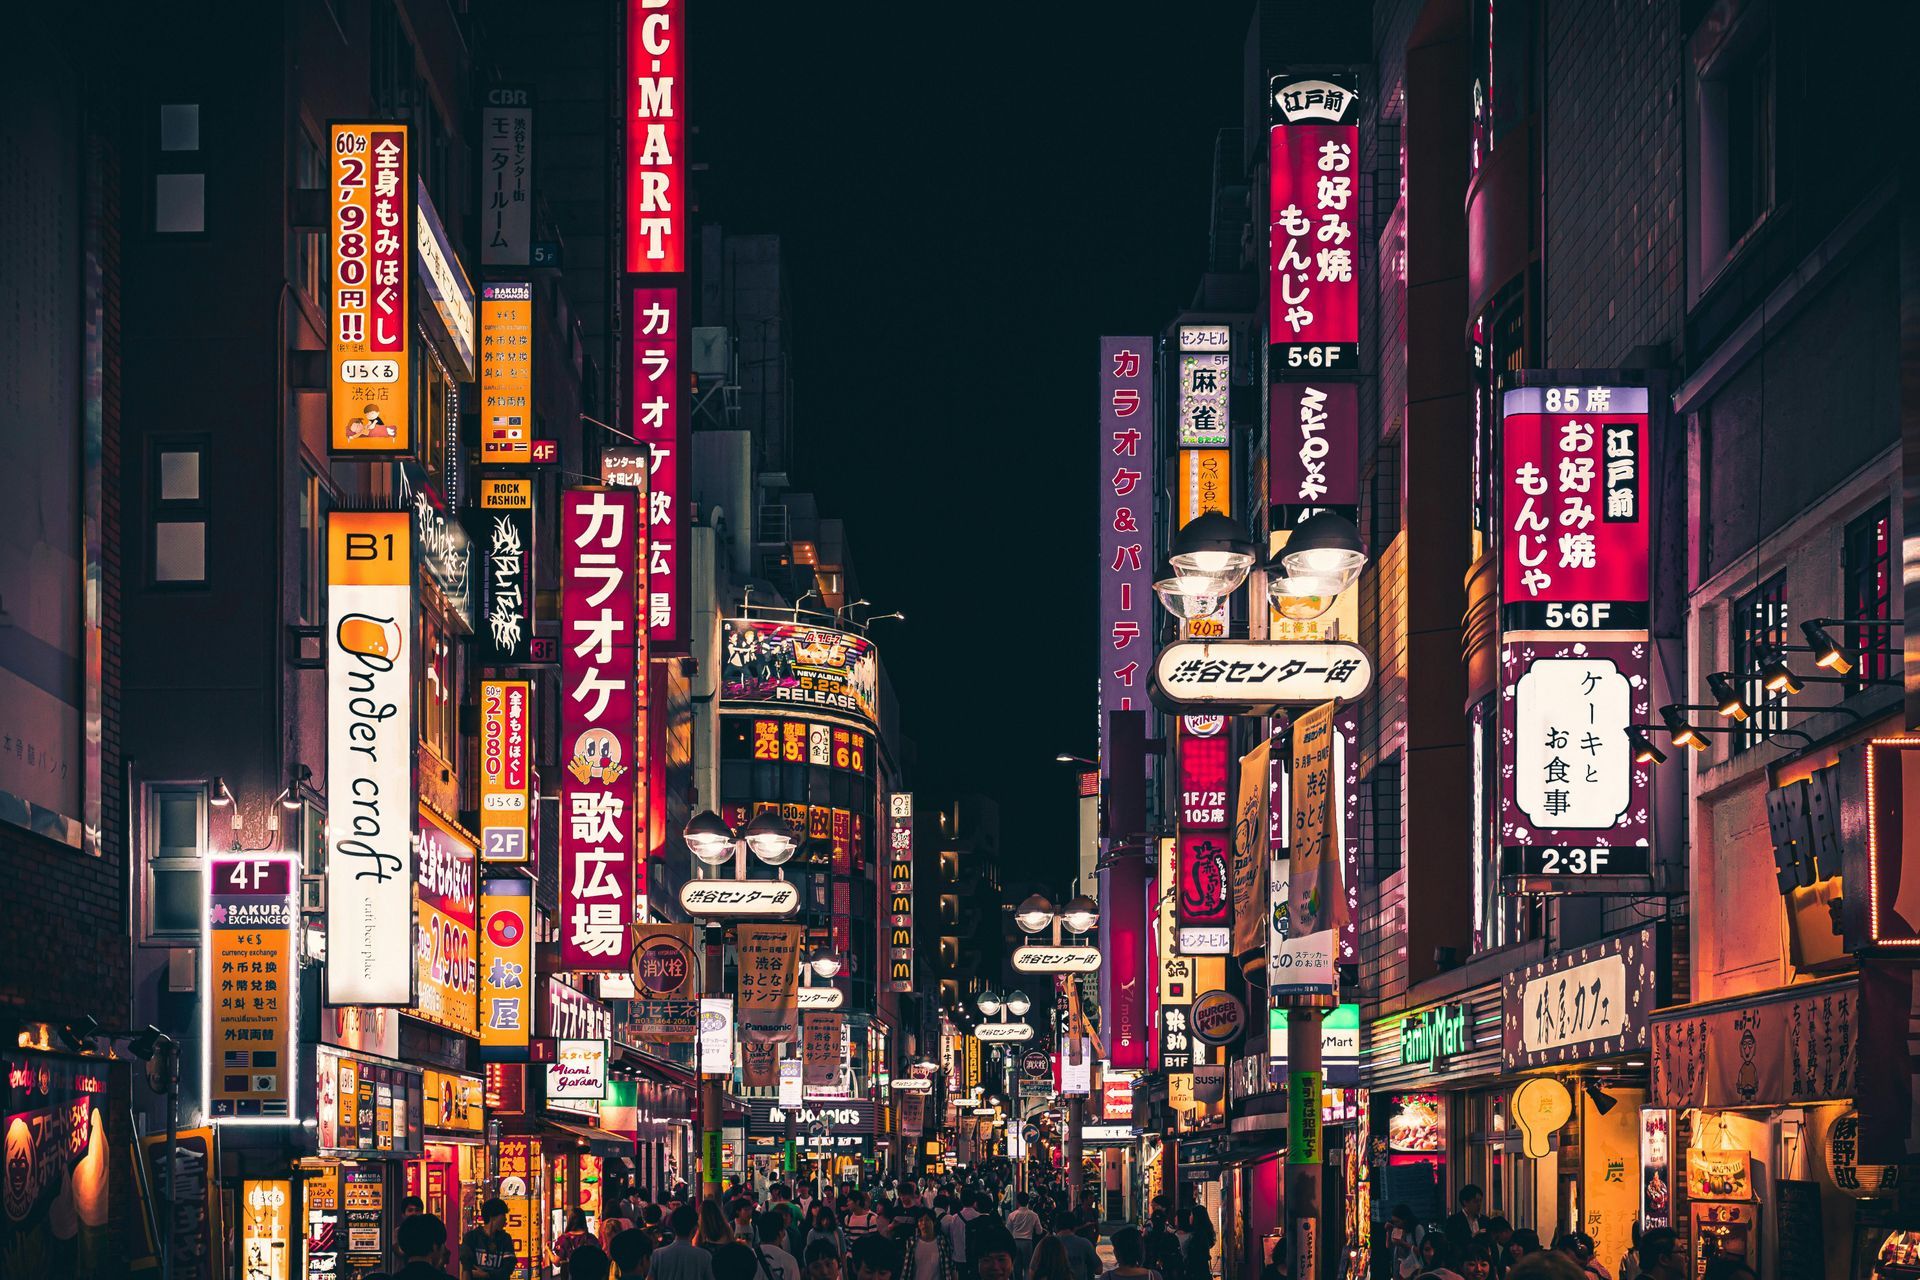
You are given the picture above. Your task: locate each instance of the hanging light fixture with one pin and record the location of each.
(771, 840)
(709, 837)
(1212, 554)
(1325, 545)
(1682, 733)
(1644, 752)
(1777, 676)
(1726, 695)
(1827, 652)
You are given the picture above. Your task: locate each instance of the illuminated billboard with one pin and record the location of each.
(371, 331)
(799, 666)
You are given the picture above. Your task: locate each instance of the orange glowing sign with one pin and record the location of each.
(370, 332)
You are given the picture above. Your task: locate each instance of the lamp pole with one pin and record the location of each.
(712, 1085)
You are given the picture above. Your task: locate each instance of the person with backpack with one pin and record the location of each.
(776, 1263)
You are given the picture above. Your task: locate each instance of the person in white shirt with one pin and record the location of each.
(774, 1262)
(860, 1220)
(1025, 1227)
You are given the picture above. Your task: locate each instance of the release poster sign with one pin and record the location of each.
(599, 727)
(1313, 245)
(798, 666)
(370, 745)
(1574, 498)
(369, 342)
(1573, 802)
(253, 986)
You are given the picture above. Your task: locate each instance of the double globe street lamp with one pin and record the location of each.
(1212, 556)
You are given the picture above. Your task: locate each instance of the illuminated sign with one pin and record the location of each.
(504, 524)
(266, 1229)
(252, 988)
(1205, 377)
(657, 195)
(1003, 1031)
(578, 1072)
(1217, 1018)
(798, 665)
(370, 758)
(1034, 958)
(1590, 1002)
(1203, 844)
(1434, 1035)
(367, 1106)
(453, 1103)
(506, 177)
(506, 374)
(1127, 483)
(1205, 337)
(1204, 484)
(1255, 677)
(370, 353)
(448, 972)
(716, 1037)
(1314, 454)
(506, 966)
(711, 899)
(506, 795)
(1313, 244)
(599, 727)
(446, 281)
(1575, 551)
(900, 885)
(1573, 802)
(660, 421)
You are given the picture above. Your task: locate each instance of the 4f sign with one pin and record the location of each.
(656, 137)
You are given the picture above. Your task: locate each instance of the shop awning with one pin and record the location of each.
(636, 1059)
(1836, 1040)
(599, 1141)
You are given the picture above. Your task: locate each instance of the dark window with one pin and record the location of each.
(179, 178)
(178, 510)
(176, 834)
(307, 247)
(1382, 819)
(1867, 565)
(1759, 627)
(1383, 497)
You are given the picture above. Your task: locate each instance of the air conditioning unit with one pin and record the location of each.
(711, 351)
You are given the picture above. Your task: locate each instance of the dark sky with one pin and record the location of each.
(965, 208)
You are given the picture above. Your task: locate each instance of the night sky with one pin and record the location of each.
(965, 209)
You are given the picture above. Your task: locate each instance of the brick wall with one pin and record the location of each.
(1615, 272)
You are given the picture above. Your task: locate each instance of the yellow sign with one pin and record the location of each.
(445, 963)
(497, 494)
(453, 1102)
(505, 781)
(266, 1229)
(1253, 820)
(253, 985)
(1204, 483)
(506, 963)
(973, 1063)
(1315, 900)
(506, 374)
(370, 339)
(1341, 622)
(1541, 1107)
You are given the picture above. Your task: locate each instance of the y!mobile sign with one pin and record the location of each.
(372, 237)
(599, 723)
(1313, 281)
(370, 757)
(656, 219)
(1126, 523)
(1574, 499)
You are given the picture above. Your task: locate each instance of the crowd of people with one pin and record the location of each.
(1469, 1244)
(978, 1231)
(950, 1231)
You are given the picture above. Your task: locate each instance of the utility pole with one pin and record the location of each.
(712, 1087)
(1304, 1157)
(1076, 1102)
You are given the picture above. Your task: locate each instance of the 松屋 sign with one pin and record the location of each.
(1257, 677)
(1575, 548)
(506, 966)
(370, 341)
(370, 757)
(599, 726)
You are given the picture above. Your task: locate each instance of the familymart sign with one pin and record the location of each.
(1434, 1035)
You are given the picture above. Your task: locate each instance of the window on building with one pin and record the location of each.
(315, 503)
(1867, 567)
(177, 503)
(1381, 820)
(435, 399)
(437, 694)
(176, 838)
(306, 246)
(1758, 628)
(179, 171)
(1732, 82)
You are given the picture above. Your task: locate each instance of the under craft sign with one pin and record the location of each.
(1253, 677)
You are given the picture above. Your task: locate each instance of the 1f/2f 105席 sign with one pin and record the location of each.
(1257, 677)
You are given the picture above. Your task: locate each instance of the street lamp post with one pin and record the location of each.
(1034, 916)
(713, 842)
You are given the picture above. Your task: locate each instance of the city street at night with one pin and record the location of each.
(739, 640)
